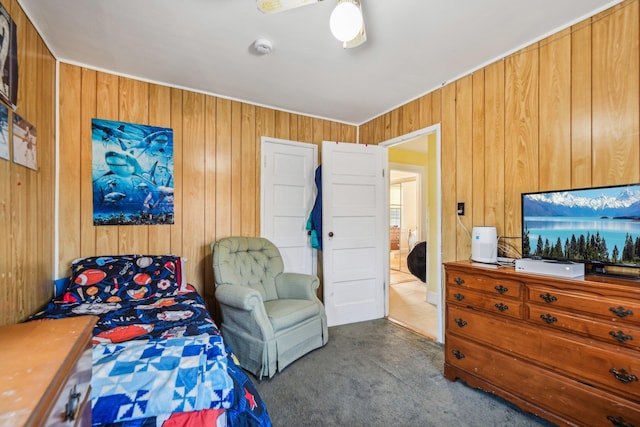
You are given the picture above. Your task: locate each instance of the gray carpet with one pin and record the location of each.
(377, 373)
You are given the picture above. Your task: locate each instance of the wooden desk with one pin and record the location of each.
(40, 364)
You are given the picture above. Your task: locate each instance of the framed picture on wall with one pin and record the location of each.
(24, 143)
(4, 132)
(8, 59)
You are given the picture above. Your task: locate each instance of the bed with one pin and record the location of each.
(158, 357)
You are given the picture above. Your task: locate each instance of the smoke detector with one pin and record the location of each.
(263, 46)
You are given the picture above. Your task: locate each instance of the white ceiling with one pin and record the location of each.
(413, 47)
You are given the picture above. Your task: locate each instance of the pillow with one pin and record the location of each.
(124, 277)
(181, 273)
(60, 286)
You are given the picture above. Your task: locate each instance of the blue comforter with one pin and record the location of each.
(158, 357)
(139, 379)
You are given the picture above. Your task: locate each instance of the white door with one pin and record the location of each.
(288, 193)
(354, 229)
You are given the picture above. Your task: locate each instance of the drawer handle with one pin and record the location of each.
(501, 289)
(548, 298)
(460, 322)
(548, 318)
(502, 307)
(623, 376)
(459, 280)
(458, 355)
(459, 297)
(72, 405)
(618, 421)
(621, 312)
(620, 336)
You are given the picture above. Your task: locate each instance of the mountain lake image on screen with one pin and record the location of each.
(600, 224)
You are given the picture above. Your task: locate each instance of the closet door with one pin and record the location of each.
(288, 193)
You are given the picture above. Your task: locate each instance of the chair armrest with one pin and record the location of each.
(297, 286)
(243, 311)
(240, 297)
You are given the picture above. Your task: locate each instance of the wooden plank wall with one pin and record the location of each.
(561, 113)
(216, 166)
(27, 196)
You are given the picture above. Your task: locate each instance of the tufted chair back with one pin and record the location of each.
(252, 261)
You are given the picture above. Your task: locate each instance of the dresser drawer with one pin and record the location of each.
(615, 369)
(44, 361)
(75, 396)
(617, 333)
(492, 330)
(575, 402)
(503, 287)
(614, 309)
(480, 300)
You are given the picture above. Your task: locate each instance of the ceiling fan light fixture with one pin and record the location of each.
(270, 6)
(346, 20)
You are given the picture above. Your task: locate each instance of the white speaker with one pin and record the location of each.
(484, 244)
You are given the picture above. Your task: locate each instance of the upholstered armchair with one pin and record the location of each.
(269, 318)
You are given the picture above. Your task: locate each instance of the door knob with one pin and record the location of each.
(331, 234)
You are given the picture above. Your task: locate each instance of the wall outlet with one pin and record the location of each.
(461, 208)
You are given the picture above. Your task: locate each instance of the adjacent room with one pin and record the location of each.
(257, 212)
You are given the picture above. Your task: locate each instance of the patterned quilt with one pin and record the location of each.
(161, 361)
(139, 379)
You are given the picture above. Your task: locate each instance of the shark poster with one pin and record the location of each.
(132, 172)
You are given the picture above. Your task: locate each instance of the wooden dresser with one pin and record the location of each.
(45, 373)
(567, 350)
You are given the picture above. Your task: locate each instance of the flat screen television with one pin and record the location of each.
(598, 226)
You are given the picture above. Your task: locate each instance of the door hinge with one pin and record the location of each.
(383, 173)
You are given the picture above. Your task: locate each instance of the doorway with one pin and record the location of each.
(404, 211)
(408, 303)
(414, 219)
